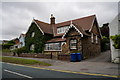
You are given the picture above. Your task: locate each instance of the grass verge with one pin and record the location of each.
(24, 61)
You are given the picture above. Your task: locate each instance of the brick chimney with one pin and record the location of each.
(52, 19)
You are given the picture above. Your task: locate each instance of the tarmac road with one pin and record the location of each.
(16, 71)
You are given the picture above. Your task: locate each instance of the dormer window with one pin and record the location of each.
(33, 34)
(61, 29)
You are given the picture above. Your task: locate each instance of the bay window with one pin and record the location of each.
(53, 46)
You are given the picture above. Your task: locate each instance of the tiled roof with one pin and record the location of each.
(57, 40)
(85, 23)
(46, 28)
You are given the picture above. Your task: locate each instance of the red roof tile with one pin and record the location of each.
(46, 28)
(85, 23)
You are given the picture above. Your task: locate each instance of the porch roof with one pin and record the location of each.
(56, 40)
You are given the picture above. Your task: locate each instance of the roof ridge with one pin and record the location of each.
(41, 21)
(77, 19)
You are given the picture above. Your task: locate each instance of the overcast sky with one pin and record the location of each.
(17, 16)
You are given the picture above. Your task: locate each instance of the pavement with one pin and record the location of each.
(98, 65)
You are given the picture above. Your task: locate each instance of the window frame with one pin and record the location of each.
(32, 45)
(73, 44)
(52, 46)
(33, 34)
(61, 30)
(96, 39)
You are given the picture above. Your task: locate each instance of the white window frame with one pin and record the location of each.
(32, 47)
(33, 34)
(61, 30)
(52, 47)
(92, 38)
(96, 39)
(71, 44)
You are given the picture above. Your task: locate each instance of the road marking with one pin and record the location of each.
(84, 73)
(17, 73)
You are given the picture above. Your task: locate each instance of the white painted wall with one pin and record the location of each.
(115, 29)
(22, 39)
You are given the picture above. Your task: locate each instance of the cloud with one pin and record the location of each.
(17, 16)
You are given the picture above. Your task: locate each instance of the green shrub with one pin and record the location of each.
(104, 42)
(116, 40)
(20, 50)
(6, 50)
(6, 46)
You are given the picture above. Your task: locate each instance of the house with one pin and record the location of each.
(105, 30)
(5, 41)
(79, 35)
(22, 40)
(19, 42)
(114, 30)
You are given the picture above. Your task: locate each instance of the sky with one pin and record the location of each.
(17, 16)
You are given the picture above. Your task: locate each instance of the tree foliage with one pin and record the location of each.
(8, 44)
(105, 44)
(116, 40)
(20, 50)
(38, 40)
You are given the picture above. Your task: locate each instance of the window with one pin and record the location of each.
(62, 29)
(73, 44)
(53, 46)
(96, 39)
(92, 38)
(33, 34)
(32, 47)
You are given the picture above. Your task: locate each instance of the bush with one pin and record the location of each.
(20, 50)
(105, 44)
(6, 50)
(116, 40)
(6, 46)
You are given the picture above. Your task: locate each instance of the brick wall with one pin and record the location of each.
(90, 49)
(53, 53)
(64, 57)
(48, 56)
(72, 34)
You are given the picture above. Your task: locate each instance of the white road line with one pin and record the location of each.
(17, 73)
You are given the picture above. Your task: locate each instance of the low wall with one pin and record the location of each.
(7, 54)
(48, 56)
(64, 57)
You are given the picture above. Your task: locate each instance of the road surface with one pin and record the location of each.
(16, 71)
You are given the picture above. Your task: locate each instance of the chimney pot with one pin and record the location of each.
(52, 19)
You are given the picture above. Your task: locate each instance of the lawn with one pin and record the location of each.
(24, 61)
